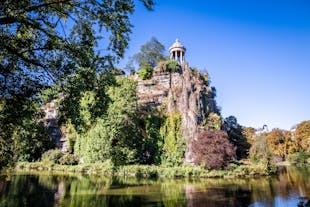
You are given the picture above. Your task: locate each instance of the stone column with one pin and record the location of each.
(181, 58)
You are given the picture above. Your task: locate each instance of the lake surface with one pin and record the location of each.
(290, 188)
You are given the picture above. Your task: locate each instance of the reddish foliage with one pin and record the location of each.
(213, 149)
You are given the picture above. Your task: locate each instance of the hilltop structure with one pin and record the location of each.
(185, 91)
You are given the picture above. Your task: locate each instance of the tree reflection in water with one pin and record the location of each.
(290, 188)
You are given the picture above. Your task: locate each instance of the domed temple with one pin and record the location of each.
(177, 51)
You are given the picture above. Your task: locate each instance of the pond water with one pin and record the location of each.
(291, 187)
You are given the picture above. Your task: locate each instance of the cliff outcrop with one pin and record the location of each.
(186, 92)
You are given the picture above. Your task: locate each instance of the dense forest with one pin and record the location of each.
(51, 52)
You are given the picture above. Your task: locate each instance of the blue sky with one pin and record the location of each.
(256, 52)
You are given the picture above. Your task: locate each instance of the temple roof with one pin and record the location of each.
(177, 44)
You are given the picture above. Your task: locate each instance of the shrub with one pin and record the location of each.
(69, 159)
(52, 156)
(145, 72)
(212, 149)
(169, 66)
(173, 66)
(299, 158)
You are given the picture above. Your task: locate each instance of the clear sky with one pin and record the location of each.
(257, 52)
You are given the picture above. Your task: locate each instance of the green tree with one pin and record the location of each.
(22, 132)
(150, 53)
(261, 154)
(234, 131)
(56, 42)
(115, 135)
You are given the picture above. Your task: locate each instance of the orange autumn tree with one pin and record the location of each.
(280, 143)
(302, 136)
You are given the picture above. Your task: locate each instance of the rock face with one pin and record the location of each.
(51, 122)
(186, 92)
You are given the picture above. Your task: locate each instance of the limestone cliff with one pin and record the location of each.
(186, 92)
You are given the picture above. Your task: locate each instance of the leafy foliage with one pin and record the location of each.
(25, 141)
(260, 151)
(69, 159)
(145, 72)
(234, 131)
(148, 57)
(169, 66)
(115, 134)
(174, 144)
(248, 133)
(52, 156)
(280, 143)
(150, 53)
(299, 158)
(261, 154)
(71, 135)
(302, 136)
(55, 42)
(213, 122)
(212, 149)
(152, 139)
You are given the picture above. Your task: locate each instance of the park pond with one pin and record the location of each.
(290, 187)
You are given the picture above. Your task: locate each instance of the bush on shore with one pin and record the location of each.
(299, 158)
(148, 171)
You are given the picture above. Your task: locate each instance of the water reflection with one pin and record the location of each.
(290, 188)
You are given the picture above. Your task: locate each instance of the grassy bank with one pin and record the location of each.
(147, 171)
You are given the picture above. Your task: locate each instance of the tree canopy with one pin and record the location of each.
(43, 42)
(67, 44)
(302, 135)
(150, 53)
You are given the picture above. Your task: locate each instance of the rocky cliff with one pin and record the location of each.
(186, 92)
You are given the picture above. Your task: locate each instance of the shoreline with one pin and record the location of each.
(146, 171)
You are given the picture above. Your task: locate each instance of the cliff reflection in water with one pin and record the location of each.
(290, 188)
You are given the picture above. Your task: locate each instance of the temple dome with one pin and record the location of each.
(177, 46)
(177, 51)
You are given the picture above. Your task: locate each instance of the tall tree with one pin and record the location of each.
(249, 134)
(260, 153)
(150, 53)
(116, 134)
(56, 42)
(278, 142)
(234, 131)
(302, 136)
(43, 41)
